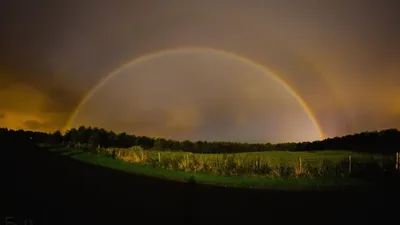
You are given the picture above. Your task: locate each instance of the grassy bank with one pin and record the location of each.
(256, 168)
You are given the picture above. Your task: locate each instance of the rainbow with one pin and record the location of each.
(138, 60)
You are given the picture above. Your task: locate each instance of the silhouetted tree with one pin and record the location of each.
(385, 142)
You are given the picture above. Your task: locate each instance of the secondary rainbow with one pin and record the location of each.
(138, 60)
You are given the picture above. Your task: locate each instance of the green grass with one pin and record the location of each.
(231, 181)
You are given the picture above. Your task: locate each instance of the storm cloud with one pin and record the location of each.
(341, 57)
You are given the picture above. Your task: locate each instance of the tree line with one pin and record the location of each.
(385, 142)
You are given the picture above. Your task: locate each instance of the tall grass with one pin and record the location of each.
(252, 164)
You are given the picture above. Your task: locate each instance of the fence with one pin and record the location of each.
(256, 165)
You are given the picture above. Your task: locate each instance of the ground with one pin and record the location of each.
(53, 189)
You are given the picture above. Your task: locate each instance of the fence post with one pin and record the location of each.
(300, 164)
(159, 157)
(349, 163)
(397, 160)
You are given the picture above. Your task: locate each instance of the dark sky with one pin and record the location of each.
(341, 57)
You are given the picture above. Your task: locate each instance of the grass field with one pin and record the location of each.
(271, 164)
(274, 169)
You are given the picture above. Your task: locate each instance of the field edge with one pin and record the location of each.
(211, 179)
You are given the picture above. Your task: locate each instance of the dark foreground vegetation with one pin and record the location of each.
(48, 188)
